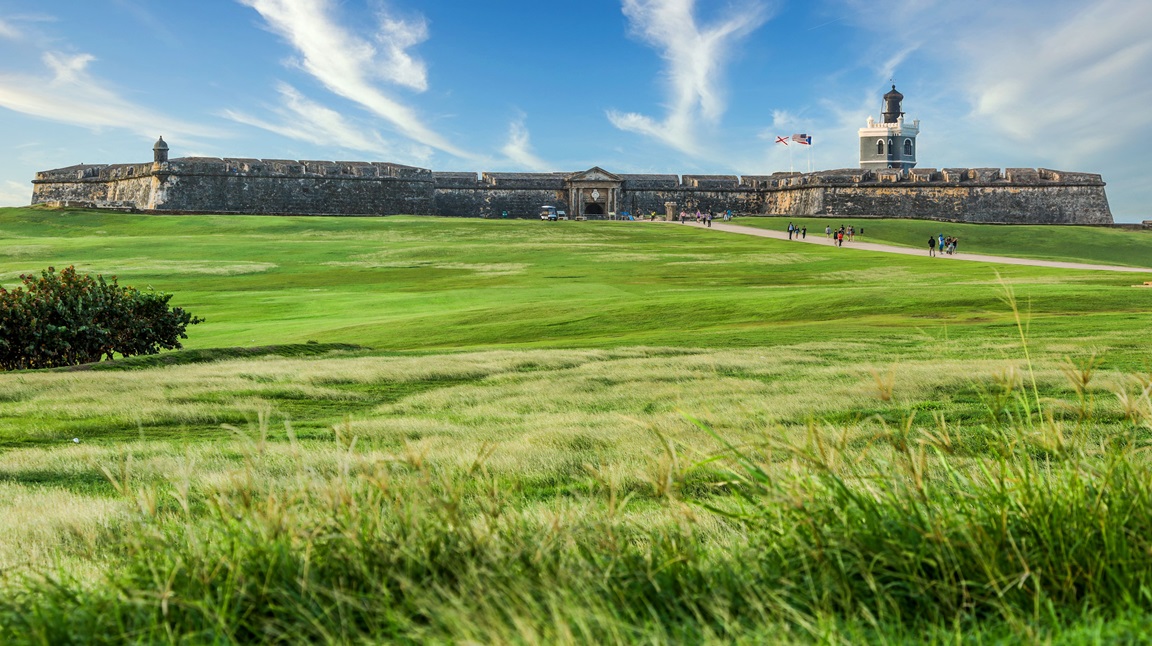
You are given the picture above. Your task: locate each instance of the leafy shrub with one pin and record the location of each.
(66, 318)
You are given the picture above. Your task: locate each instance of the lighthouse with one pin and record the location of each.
(891, 142)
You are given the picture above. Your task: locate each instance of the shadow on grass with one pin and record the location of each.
(209, 355)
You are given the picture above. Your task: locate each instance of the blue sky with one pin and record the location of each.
(665, 86)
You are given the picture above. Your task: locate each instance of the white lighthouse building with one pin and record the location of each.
(892, 142)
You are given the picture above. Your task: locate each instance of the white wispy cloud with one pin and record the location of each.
(8, 31)
(70, 94)
(694, 55)
(298, 117)
(518, 148)
(14, 193)
(1075, 88)
(351, 67)
(1039, 72)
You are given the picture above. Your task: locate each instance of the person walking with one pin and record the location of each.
(931, 245)
(708, 219)
(828, 231)
(789, 230)
(804, 232)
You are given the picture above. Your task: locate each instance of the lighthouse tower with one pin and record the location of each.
(891, 143)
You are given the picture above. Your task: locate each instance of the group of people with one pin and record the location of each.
(704, 218)
(799, 232)
(943, 244)
(838, 236)
(843, 233)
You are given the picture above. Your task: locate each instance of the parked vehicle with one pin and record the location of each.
(549, 213)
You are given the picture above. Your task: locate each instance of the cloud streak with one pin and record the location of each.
(70, 94)
(1075, 88)
(350, 66)
(518, 148)
(305, 120)
(8, 31)
(694, 56)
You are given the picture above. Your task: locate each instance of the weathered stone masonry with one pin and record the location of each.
(284, 187)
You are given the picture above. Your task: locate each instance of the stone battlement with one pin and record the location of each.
(279, 186)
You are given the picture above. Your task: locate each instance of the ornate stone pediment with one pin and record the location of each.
(594, 174)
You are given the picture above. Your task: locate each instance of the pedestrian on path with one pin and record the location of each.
(828, 231)
(804, 232)
(931, 246)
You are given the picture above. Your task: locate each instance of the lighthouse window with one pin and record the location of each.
(880, 147)
(908, 147)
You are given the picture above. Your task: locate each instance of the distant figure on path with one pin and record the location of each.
(828, 231)
(790, 229)
(931, 246)
(804, 232)
(708, 219)
(941, 245)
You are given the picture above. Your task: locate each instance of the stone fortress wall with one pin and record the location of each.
(284, 187)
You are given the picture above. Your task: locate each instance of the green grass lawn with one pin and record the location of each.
(453, 430)
(1072, 243)
(432, 284)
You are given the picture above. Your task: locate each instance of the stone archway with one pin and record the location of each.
(594, 192)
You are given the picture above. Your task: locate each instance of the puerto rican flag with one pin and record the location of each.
(803, 140)
(782, 140)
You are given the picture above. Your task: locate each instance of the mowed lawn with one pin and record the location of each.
(404, 283)
(1097, 245)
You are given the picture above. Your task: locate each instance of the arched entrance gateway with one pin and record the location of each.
(594, 192)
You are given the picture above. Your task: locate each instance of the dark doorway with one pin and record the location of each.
(593, 209)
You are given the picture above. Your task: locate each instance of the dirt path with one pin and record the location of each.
(818, 238)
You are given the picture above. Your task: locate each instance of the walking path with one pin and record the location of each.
(819, 239)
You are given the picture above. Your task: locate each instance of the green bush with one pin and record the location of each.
(66, 318)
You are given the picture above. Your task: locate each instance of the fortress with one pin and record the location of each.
(886, 185)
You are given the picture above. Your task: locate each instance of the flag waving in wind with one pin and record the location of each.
(804, 140)
(782, 140)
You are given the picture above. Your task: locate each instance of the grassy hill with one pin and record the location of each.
(427, 283)
(1072, 243)
(579, 432)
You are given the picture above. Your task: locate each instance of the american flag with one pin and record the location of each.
(802, 139)
(782, 140)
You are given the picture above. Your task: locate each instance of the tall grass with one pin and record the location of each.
(813, 540)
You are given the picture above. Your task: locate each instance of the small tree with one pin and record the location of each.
(68, 318)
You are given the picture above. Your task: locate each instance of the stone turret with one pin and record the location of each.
(160, 152)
